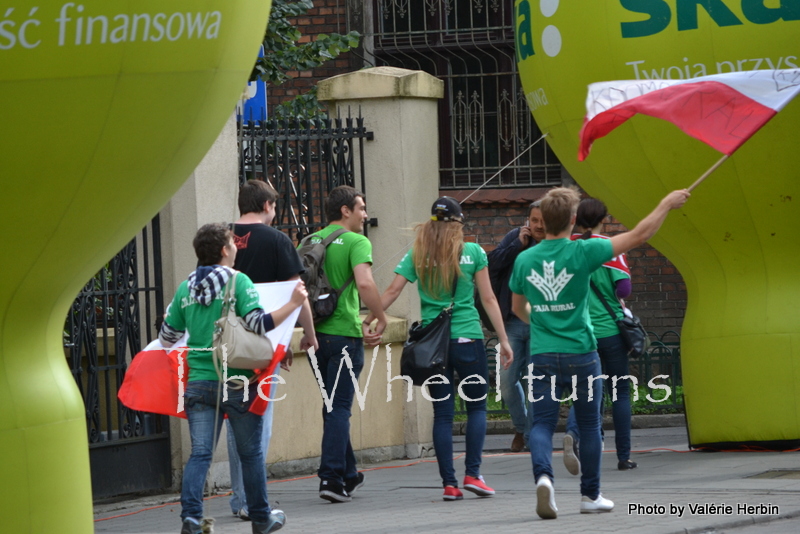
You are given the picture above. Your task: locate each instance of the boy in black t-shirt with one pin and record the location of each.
(265, 255)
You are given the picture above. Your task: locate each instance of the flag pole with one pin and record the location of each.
(709, 171)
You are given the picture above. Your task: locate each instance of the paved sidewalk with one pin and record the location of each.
(406, 496)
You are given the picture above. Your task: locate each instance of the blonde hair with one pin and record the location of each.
(558, 207)
(437, 254)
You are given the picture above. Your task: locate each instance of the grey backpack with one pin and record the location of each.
(321, 295)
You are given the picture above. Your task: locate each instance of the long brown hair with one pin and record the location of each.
(437, 254)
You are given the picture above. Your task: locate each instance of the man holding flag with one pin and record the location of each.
(550, 286)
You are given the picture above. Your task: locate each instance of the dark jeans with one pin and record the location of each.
(468, 360)
(200, 401)
(557, 371)
(614, 359)
(338, 461)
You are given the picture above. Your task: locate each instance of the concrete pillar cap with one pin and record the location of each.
(380, 82)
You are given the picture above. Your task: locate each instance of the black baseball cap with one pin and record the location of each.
(447, 209)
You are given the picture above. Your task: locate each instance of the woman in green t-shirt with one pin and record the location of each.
(613, 280)
(437, 259)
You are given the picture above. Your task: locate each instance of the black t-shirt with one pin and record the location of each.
(265, 254)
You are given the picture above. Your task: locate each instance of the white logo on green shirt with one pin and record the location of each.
(550, 286)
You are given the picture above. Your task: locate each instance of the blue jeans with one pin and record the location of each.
(200, 401)
(564, 367)
(512, 392)
(614, 359)
(467, 359)
(338, 462)
(238, 500)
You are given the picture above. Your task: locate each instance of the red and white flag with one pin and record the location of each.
(722, 110)
(156, 379)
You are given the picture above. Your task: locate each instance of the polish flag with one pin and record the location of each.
(722, 110)
(156, 378)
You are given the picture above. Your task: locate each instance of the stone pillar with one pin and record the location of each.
(402, 181)
(208, 195)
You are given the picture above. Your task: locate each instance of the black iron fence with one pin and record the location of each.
(303, 161)
(661, 364)
(113, 317)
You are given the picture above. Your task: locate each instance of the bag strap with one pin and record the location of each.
(227, 300)
(603, 300)
(327, 241)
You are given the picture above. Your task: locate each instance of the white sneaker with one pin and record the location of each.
(545, 499)
(600, 504)
(571, 461)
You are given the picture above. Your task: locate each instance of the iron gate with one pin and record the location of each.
(115, 315)
(303, 162)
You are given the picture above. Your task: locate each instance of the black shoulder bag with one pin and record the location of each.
(426, 351)
(630, 328)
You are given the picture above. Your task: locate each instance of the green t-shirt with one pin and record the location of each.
(343, 254)
(554, 277)
(466, 322)
(186, 314)
(605, 278)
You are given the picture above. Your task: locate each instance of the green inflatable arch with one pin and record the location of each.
(107, 108)
(736, 240)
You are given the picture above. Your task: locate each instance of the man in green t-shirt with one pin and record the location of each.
(343, 335)
(550, 286)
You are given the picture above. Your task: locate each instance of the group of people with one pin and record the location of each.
(534, 289)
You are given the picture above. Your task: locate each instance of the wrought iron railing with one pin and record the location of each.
(303, 162)
(662, 359)
(113, 317)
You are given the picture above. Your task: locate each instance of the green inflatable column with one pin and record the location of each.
(736, 241)
(107, 108)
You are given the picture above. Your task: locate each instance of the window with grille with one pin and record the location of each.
(485, 123)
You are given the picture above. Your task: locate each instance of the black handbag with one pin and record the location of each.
(630, 328)
(426, 351)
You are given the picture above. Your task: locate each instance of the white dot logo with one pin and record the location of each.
(551, 36)
(548, 7)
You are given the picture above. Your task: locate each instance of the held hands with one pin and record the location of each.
(372, 336)
(506, 354)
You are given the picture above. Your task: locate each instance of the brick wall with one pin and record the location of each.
(659, 293)
(327, 16)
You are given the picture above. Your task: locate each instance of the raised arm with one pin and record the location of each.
(648, 226)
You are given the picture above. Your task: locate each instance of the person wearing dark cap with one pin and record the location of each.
(438, 261)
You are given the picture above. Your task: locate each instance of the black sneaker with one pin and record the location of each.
(627, 464)
(352, 484)
(333, 492)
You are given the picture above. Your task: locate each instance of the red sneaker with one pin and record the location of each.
(452, 493)
(477, 486)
